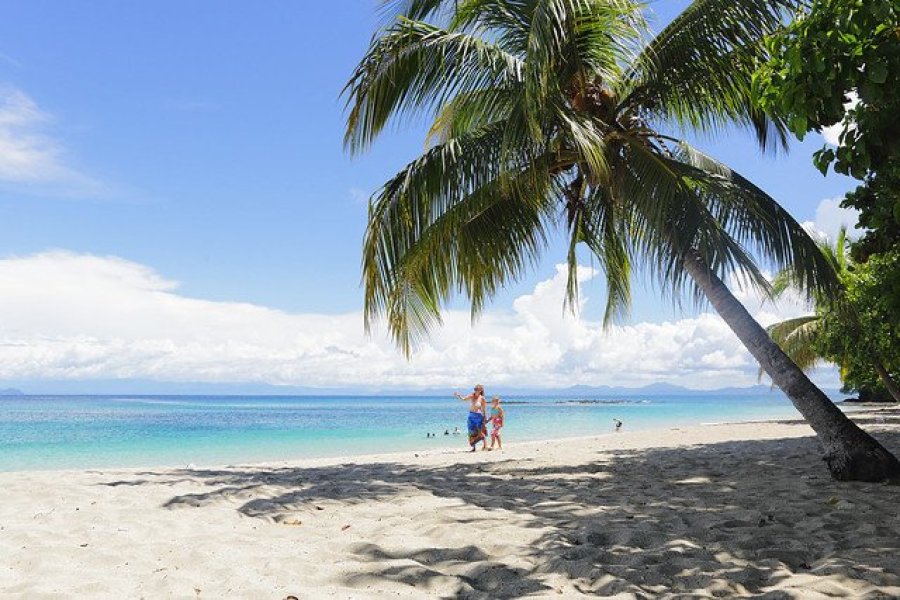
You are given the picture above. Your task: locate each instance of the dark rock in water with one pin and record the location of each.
(872, 395)
(868, 400)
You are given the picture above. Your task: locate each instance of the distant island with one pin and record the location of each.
(11, 392)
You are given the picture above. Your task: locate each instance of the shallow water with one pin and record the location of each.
(65, 432)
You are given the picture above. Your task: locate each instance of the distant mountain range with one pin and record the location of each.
(660, 389)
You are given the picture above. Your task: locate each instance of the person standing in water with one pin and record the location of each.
(475, 421)
(498, 416)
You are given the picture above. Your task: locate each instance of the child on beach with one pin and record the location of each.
(498, 416)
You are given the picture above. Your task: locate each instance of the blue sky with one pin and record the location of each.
(202, 142)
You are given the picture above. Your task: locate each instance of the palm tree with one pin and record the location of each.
(549, 115)
(798, 336)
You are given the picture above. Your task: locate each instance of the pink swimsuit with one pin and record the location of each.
(496, 421)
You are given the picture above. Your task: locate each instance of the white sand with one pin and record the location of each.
(708, 511)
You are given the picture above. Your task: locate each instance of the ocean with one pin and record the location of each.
(80, 432)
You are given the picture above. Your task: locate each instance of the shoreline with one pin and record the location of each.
(89, 433)
(731, 510)
(368, 457)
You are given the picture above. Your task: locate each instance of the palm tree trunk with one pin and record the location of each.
(848, 451)
(888, 381)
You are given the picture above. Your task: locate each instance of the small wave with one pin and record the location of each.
(589, 402)
(148, 401)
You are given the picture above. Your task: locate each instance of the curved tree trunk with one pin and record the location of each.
(888, 381)
(849, 452)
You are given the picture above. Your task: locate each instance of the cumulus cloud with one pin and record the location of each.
(75, 316)
(31, 159)
(830, 217)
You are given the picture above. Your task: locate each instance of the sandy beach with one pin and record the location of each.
(729, 510)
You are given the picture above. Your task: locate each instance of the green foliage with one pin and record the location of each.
(548, 116)
(799, 337)
(872, 293)
(878, 201)
(854, 329)
(834, 53)
(837, 51)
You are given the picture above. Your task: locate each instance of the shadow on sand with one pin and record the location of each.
(726, 519)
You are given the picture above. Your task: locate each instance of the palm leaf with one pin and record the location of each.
(417, 66)
(458, 219)
(757, 221)
(797, 337)
(696, 72)
(473, 110)
(604, 231)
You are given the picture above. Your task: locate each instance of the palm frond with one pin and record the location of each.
(416, 10)
(576, 42)
(458, 219)
(797, 337)
(755, 220)
(696, 72)
(473, 110)
(417, 66)
(508, 20)
(670, 218)
(605, 231)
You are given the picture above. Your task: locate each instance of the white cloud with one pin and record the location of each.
(72, 316)
(832, 134)
(830, 217)
(30, 159)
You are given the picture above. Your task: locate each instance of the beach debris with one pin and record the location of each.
(82, 545)
(287, 520)
(319, 507)
(291, 598)
(345, 528)
(832, 500)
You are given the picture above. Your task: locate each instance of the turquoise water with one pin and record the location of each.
(65, 432)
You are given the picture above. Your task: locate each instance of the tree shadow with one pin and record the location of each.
(726, 519)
